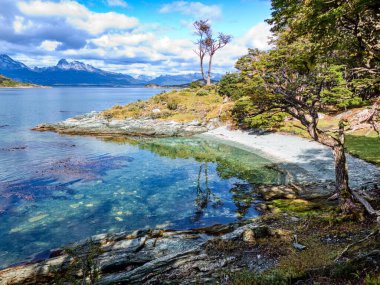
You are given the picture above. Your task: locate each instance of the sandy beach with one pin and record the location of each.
(307, 160)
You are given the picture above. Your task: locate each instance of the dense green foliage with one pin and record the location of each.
(326, 58)
(341, 32)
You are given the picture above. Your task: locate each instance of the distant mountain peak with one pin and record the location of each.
(76, 73)
(62, 62)
(6, 62)
(75, 65)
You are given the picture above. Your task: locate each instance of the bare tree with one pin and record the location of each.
(202, 29)
(212, 45)
(208, 44)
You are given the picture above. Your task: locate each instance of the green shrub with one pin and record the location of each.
(243, 109)
(160, 98)
(160, 115)
(211, 87)
(230, 86)
(202, 92)
(172, 105)
(372, 280)
(196, 84)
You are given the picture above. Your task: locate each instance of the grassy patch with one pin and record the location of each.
(296, 206)
(6, 82)
(361, 143)
(185, 105)
(367, 148)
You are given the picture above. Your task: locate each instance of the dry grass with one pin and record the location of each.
(182, 106)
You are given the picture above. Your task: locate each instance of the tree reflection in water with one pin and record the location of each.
(229, 162)
(204, 195)
(243, 196)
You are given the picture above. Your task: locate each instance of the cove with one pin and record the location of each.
(55, 189)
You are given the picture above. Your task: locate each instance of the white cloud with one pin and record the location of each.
(117, 3)
(258, 36)
(41, 31)
(78, 16)
(50, 45)
(196, 9)
(20, 24)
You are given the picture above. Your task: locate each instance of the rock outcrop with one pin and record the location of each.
(153, 257)
(96, 124)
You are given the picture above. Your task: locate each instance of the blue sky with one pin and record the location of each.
(129, 36)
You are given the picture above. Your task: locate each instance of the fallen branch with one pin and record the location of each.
(367, 206)
(356, 243)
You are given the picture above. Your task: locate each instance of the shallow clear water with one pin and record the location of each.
(57, 189)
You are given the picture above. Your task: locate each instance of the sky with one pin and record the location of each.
(129, 36)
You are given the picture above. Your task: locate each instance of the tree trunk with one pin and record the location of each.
(341, 180)
(202, 71)
(209, 71)
(341, 172)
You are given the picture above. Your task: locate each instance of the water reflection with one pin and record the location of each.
(205, 196)
(178, 183)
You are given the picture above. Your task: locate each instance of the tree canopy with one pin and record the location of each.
(326, 58)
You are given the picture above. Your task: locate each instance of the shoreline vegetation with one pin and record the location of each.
(9, 83)
(197, 110)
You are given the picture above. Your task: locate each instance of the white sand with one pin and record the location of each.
(305, 159)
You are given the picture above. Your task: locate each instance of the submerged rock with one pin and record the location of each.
(271, 192)
(37, 218)
(95, 124)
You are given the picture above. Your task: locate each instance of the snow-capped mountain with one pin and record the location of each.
(76, 73)
(75, 65)
(7, 62)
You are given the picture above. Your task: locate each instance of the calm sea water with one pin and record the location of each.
(58, 189)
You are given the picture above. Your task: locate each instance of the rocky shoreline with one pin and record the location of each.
(147, 257)
(95, 124)
(213, 255)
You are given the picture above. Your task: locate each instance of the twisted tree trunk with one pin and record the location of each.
(341, 180)
(342, 188)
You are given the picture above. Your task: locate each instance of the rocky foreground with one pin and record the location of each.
(98, 125)
(149, 257)
(298, 239)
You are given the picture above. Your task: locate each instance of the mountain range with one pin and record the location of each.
(76, 73)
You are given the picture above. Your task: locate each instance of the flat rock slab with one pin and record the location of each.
(95, 124)
(152, 257)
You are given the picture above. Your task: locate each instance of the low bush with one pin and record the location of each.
(202, 92)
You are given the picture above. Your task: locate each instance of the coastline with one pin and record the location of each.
(206, 254)
(306, 161)
(23, 87)
(294, 153)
